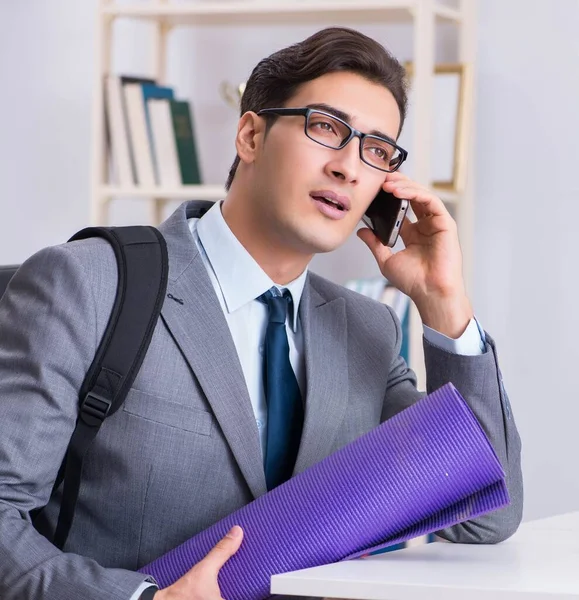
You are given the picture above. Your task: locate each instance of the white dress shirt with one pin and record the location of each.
(238, 281)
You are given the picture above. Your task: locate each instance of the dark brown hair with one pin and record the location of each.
(277, 78)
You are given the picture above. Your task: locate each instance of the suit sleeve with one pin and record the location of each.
(479, 380)
(47, 343)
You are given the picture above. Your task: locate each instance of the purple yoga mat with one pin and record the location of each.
(429, 467)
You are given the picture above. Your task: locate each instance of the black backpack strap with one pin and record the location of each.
(141, 254)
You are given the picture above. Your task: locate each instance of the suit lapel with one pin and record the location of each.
(201, 331)
(325, 342)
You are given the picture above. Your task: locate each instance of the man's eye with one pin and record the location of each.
(324, 126)
(380, 153)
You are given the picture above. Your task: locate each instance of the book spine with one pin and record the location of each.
(139, 135)
(118, 135)
(164, 143)
(185, 140)
(154, 92)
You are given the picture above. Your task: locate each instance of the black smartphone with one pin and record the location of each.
(385, 216)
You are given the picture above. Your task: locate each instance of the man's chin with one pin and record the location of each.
(318, 244)
(308, 236)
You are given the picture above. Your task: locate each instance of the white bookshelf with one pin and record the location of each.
(423, 15)
(268, 11)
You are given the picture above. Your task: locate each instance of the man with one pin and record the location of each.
(194, 439)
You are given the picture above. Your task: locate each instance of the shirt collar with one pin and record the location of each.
(239, 276)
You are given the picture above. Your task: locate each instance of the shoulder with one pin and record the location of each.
(80, 278)
(89, 262)
(83, 255)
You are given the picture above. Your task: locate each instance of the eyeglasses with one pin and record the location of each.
(332, 132)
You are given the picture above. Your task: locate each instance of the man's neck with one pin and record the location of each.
(282, 265)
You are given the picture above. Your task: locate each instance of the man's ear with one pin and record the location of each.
(250, 134)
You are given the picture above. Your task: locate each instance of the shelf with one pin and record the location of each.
(238, 12)
(185, 192)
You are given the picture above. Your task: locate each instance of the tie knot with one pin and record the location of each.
(277, 304)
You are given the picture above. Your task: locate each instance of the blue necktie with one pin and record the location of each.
(285, 413)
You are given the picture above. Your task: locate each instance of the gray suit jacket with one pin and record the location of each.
(184, 450)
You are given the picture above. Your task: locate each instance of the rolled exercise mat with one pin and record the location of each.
(427, 468)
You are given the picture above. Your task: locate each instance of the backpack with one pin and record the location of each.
(141, 254)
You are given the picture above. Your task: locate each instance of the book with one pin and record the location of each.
(150, 134)
(185, 140)
(152, 92)
(126, 79)
(164, 143)
(117, 132)
(139, 135)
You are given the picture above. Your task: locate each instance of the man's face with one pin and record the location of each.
(292, 172)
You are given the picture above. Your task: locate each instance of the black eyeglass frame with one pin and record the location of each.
(306, 112)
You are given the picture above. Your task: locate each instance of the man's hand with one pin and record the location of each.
(429, 269)
(200, 583)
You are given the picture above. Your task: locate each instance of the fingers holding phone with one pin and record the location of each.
(426, 205)
(431, 262)
(385, 217)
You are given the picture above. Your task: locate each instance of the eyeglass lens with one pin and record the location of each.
(333, 133)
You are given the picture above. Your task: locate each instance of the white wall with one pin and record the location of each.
(527, 201)
(527, 212)
(46, 74)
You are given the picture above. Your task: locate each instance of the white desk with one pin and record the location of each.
(540, 562)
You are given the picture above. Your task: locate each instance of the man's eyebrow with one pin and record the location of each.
(346, 117)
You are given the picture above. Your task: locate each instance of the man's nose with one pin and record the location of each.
(345, 164)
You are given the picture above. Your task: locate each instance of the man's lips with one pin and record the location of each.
(331, 198)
